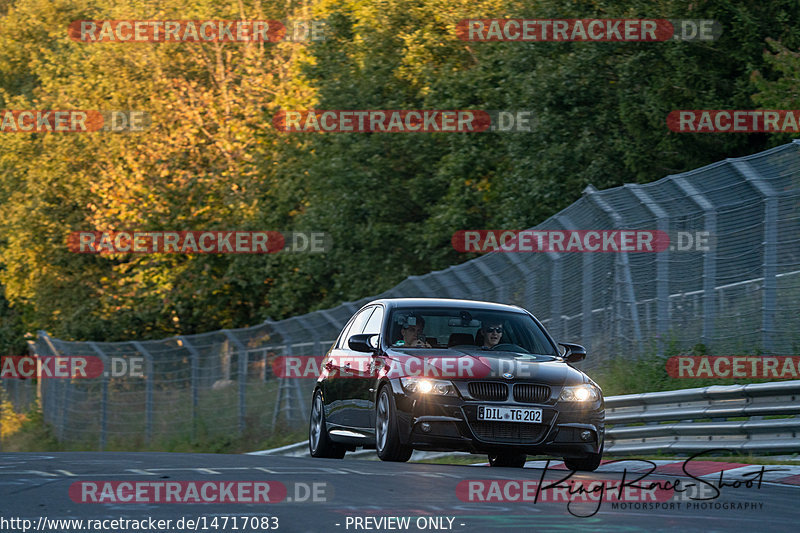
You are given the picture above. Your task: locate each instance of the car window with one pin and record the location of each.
(374, 324)
(355, 327)
(462, 327)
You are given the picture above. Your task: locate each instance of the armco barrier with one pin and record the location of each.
(673, 421)
(691, 420)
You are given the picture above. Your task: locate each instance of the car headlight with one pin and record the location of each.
(580, 393)
(428, 386)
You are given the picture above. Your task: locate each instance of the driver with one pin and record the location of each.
(412, 332)
(492, 333)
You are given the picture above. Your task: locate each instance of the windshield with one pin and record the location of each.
(467, 329)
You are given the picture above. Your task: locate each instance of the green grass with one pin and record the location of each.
(649, 374)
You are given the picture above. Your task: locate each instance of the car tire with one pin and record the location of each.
(590, 463)
(319, 442)
(387, 435)
(508, 459)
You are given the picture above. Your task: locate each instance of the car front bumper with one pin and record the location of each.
(445, 423)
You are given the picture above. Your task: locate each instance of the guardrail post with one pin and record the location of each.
(195, 377)
(104, 396)
(770, 264)
(148, 391)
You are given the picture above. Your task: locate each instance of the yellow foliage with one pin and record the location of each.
(10, 422)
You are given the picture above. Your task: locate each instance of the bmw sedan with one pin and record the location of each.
(455, 375)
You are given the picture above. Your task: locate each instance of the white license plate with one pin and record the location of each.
(509, 414)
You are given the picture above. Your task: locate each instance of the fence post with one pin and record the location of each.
(104, 396)
(59, 419)
(709, 257)
(770, 264)
(276, 411)
(336, 326)
(280, 350)
(526, 277)
(593, 195)
(556, 297)
(418, 284)
(458, 274)
(195, 377)
(490, 275)
(148, 391)
(662, 264)
(243, 356)
(587, 284)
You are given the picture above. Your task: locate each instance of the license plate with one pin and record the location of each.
(509, 414)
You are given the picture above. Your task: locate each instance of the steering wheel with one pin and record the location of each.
(508, 347)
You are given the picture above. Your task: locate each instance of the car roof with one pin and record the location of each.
(445, 302)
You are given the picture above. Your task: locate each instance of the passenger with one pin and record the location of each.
(492, 333)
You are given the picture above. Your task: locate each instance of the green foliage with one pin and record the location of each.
(391, 202)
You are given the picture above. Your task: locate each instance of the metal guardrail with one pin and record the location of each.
(692, 420)
(673, 421)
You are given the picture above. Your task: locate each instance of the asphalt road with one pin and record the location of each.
(326, 495)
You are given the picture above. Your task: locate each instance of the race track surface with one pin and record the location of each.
(327, 495)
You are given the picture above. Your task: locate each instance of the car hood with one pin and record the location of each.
(468, 365)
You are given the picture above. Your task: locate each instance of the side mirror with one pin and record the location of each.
(364, 342)
(574, 352)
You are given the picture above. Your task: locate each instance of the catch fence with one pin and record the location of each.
(742, 296)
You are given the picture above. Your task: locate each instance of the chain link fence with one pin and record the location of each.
(741, 297)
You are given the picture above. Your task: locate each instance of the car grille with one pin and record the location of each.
(508, 431)
(488, 390)
(529, 393)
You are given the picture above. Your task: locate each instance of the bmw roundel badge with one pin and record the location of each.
(508, 375)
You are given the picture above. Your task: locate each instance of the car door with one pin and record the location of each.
(365, 371)
(339, 364)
